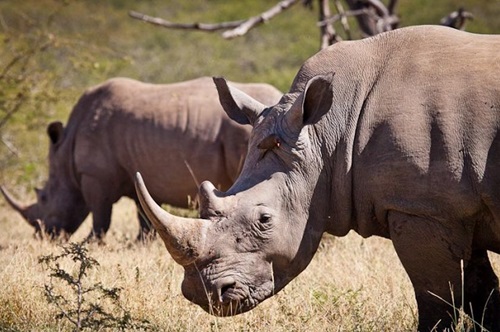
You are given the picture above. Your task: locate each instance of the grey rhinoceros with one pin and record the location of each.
(396, 136)
(175, 133)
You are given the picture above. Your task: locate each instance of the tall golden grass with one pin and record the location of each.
(352, 284)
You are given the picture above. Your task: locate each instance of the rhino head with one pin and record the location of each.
(250, 241)
(60, 207)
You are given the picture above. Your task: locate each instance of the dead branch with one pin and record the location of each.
(327, 31)
(20, 99)
(387, 20)
(233, 29)
(254, 21)
(209, 27)
(26, 55)
(376, 18)
(10, 147)
(379, 7)
(349, 13)
(343, 18)
(457, 19)
(373, 17)
(391, 6)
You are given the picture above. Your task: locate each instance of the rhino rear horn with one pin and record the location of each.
(210, 204)
(239, 106)
(183, 237)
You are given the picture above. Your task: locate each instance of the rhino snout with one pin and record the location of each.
(210, 205)
(224, 288)
(230, 298)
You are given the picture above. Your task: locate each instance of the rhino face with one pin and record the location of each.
(235, 272)
(60, 206)
(61, 210)
(57, 211)
(247, 249)
(253, 239)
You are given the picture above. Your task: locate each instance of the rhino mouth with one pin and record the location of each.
(236, 299)
(223, 291)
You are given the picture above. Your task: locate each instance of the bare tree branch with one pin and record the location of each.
(343, 18)
(26, 55)
(377, 17)
(373, 17)
(386, 21)
(20, 99)
(457, 19)
(379, 7)
(185, 26)
(327, 31)
(348, 13)
(233, 28)
(391, 6)
(10, 147)
(264, 17)
(365, 20)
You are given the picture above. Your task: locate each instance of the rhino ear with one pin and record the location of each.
(312, 104)
(40, 195)
(238, 105)
(55, 131)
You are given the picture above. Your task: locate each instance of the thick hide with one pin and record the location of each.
(176, 135)
(397, 136)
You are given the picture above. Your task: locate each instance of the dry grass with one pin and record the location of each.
(351, 285)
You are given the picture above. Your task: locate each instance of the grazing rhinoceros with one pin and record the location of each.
(396, 136)
(174, 133)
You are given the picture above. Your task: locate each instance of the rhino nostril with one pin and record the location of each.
(226, 288)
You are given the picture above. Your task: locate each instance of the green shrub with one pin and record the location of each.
(87, 306)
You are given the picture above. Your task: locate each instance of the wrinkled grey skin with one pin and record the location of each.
(174, 133)
(396, 136)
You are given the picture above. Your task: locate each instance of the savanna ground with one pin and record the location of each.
(52, 50)
(352, 284)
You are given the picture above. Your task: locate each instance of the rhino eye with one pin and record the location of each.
(267, 144)
(270, 142)
(264, 218)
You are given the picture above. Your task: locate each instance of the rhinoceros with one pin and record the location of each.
(175, 133)
(396, 136)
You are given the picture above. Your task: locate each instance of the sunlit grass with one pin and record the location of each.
(350, 284)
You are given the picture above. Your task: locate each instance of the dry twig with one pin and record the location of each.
(209, 27)
(233, 28)
(457, 19)
(373, 17)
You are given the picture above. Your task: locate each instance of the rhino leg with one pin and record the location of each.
(481, 291)
(101, 220)
(146, 231)
(430, 252)
(97, 195)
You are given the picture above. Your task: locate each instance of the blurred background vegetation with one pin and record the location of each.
(52, 50)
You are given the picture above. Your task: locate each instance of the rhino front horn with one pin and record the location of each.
(19, 207)
(12, 201)
(183, 237)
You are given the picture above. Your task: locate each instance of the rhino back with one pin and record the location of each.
(173, 134)
(420, 117)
